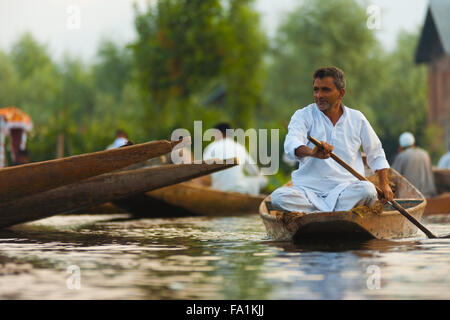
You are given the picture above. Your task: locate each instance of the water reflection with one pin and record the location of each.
(203, 258)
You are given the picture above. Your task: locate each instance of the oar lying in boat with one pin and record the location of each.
(36, 177)
(393, 203)
(101, 189)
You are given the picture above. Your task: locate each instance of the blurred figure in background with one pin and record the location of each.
(444, 162)
(121, 140)
(235, 178)
(22, 157)
(14, 123)
(415, 165)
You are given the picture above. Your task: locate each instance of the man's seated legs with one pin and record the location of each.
(291, 199)
(357, 194)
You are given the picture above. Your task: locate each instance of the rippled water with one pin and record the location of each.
(211, 258)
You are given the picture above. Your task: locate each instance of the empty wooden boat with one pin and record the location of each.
(361, 223)
(28, 179)
(186, 199)
(442, 180)
(438, 205)
(98, 190)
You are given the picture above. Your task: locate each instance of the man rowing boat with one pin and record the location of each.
(319, 183)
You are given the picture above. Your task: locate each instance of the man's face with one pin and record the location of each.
(326, 94)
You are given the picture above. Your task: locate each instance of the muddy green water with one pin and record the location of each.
(111, 257)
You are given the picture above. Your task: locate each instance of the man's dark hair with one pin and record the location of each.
(336, 73)
(222, 127)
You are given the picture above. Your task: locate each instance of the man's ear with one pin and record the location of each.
(341, 93)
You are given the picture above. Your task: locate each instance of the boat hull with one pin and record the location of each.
(189, 199)
(347, 225)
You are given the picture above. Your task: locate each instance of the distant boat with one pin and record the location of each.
(438, 205)
(189, 199)
(442, 180)
(441, 203)
(356, 224)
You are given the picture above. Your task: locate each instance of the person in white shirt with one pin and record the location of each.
(444, 162)
(235, 178)
(121, 140)
(320, 183)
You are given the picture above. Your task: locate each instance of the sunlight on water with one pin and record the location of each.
(113, 257)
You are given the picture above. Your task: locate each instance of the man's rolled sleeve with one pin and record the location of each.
(297, 135)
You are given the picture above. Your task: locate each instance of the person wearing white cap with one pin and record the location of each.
(415, 165)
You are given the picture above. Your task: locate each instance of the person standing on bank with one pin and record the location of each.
(415, 165)
(320, 183)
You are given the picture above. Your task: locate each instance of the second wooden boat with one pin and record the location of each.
(360, 223)
(187, 198)
(438, 205)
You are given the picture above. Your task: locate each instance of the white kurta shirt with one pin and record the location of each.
(117, 143)
(444, 162)
(234, 178)
(324, 179)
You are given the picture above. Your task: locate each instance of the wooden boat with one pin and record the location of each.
(104, 208)
(32, 178)
(360, 223)
(98, 190)
(438, 205)
(187, 199)
(442, 180)
(441, 203)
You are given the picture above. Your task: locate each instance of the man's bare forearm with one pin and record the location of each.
(304, 151)
(383, 176)
(320, 153)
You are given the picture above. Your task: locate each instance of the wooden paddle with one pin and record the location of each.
(393, 203)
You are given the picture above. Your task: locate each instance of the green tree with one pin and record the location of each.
(243, 70)
(187, 48)
(28, 55)
(9, 82)
(113, 68)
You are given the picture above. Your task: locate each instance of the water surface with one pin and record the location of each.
(114, 257)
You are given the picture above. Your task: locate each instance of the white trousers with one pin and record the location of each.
(294, 199)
